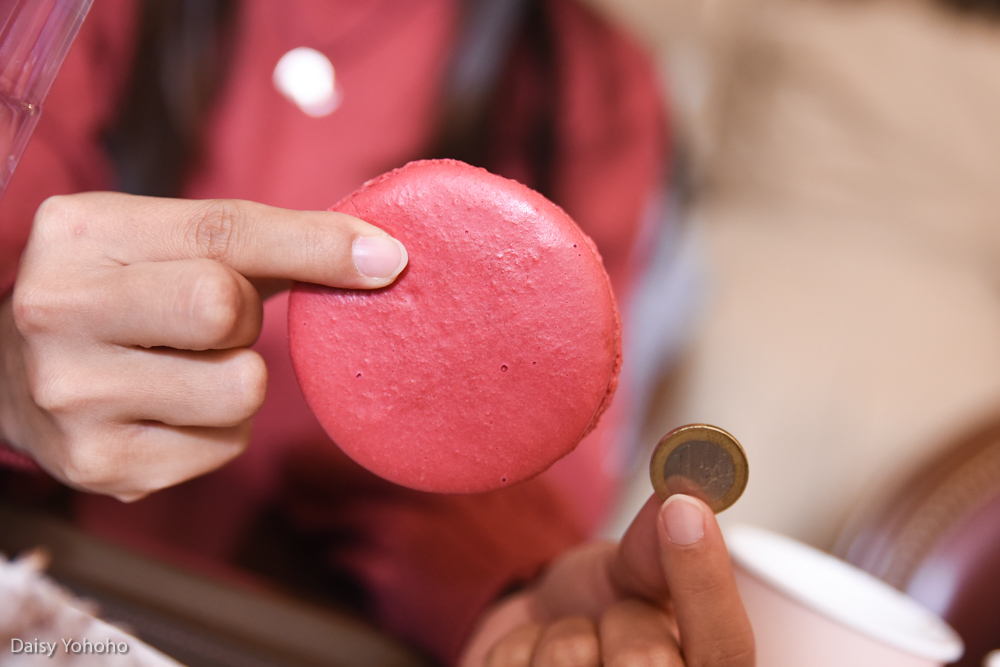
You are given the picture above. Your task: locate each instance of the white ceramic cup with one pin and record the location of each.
(810, 608)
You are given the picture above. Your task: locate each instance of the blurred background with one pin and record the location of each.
(838, 170)
(840, 162)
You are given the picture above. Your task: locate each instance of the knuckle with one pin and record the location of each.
(251, 384)
(644, 656)
(63, 218)
(36, 309)
(129, 497)
(505, 656)
(29, 312)
(240, 388)
(215, 306)
(577, 650)
(516, 648)
(234, 446)
(227, 444)
(212, 228)
(55, 392)
(53, 213)
(88, 466)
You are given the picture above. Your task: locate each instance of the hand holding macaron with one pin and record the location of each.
(126, 365)
(124, 351)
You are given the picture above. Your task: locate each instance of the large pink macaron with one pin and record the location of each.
(488, 359)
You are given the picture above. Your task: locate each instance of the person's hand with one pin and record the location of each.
(124, 360)
(664, 596)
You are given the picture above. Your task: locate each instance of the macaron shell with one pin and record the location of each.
(487, 360)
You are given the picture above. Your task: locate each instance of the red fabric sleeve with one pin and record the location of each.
(429, 564)
(610, 141)
(16, 460)
(65, 154)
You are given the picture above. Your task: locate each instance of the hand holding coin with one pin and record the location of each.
(664, 594)
(701, 461)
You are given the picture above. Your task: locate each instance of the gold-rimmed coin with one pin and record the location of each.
(702, 461)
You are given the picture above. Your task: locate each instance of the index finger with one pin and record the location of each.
(256, 240)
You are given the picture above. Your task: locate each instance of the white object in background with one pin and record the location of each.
(809, 608)
(38, 618)
(992, 659)
(307, 78)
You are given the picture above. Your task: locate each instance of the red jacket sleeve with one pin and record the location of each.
(428, 564)
(65, 154)
(609, 135)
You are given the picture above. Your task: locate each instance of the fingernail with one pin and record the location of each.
(683, 520)
(380, 257)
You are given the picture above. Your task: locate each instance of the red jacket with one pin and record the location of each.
(427, 564)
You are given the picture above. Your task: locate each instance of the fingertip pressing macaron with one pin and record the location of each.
(489, 358)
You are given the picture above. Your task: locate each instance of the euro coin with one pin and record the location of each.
(701, 461)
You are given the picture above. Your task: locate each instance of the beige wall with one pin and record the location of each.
(848, 187)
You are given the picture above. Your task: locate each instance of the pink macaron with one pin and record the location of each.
(489, 358)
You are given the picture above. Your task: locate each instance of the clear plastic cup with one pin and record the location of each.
(34, 38)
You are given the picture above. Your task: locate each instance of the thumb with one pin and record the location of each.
(712, 623)
(675, 551)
